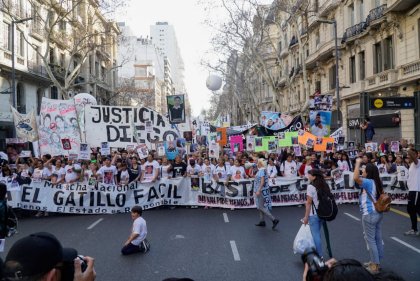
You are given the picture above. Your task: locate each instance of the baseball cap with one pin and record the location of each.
(36, 254)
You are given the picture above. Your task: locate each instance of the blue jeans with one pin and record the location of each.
(372, 226)
(315, 224)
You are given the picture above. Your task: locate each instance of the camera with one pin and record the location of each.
(68, 268)
(316, 265)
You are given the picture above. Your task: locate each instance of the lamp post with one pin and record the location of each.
(14, 22)
(337, 83)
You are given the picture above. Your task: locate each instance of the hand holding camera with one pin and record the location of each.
(83, 269)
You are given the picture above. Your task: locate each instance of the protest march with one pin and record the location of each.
(89, 158)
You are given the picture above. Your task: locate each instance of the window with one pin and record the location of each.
(54, 93)
(62, 59)
(388, 54)
(318, 86)
(351, 14)
(377, 58)
(52, 56)
(20, 40)
(361, 11)
(352, 70)
(39, 95)
(362, 65)
(7, 36)
(20, 99)
(332, 77)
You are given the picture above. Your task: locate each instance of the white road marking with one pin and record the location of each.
(94, 224)
(235, 252)
(353, 217)
(406, 244)
(225, 217)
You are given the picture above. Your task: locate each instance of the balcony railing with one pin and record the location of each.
(353, 31)
(381, 79)
(411, 68)
(375, 14)
(35, 68)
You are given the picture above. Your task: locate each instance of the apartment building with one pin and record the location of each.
(379, 56)
(42, 46)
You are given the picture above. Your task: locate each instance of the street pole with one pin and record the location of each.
(14, 22)
(337, 83)
(13, 66)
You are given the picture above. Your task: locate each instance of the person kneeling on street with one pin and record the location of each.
(137, 242)
(40, 256)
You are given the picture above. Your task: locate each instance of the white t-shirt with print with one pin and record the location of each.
(237, 173)
(124, 177)
(289, 168)
(70, 174)
(108, 174)
(193, 171)
(221, 172)
(149, 169)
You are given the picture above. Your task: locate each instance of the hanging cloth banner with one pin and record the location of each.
(25, 125)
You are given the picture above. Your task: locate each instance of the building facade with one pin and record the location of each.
(43, 52)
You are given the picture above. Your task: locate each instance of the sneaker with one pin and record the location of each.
(261, 223)
(412, 232)
(275, 223)
(373, 268)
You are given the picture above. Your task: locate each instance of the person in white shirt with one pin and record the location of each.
(237, 172)
(150, 170)
(342, 163)
(165, 169)
(289, 167)
(58, 172)
(70, 176)
(136, 242)
(123, 175)
(108, 172)
(220, 175)
(413, 183)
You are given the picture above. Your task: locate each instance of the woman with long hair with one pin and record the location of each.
(318, 184)
(262, 194)
(371, 188)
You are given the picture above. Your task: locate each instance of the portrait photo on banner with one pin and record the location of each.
(275, 120)
(176, 109)
(320, 123)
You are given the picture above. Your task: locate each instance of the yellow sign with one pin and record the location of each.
(378, 103)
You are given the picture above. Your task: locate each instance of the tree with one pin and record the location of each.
(129, 94)
(252, 33)
(63, 35)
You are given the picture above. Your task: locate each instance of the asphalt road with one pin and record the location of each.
(219, 244)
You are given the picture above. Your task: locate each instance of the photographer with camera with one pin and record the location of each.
(40, 256)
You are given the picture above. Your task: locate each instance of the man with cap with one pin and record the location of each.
(136, 242)
(40, 256)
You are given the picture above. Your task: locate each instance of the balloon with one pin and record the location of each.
(214, 82)
(84, 99)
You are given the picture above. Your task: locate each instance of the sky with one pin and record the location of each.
(187, 17)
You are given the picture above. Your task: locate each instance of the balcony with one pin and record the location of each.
(36, 30)
(375, 15)
(322, 54)
(37, 69)
(401, 5)
(353, 31)
(293, 41)
(385, 78)
(410, 71)
(61, 37)
(326, 6)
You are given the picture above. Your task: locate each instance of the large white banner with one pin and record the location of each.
(58, 131)
(114, 124)
(82, 198)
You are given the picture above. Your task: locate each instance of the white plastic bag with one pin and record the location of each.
(303, 240)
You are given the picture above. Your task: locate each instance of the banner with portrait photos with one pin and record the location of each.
(275, 120)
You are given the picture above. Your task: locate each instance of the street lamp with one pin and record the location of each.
(14, 22)
(337, 83)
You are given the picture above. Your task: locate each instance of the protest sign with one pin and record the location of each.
(105, 149)
(395, 146)
(287, 138)
(320, 122)
(306, 138)
(337, 134)
(116, 125)
(221, 137)
(267, 141)
(321, 102)
(214, 150)
(25, 154)
(236, 143)
(259, 144)
(371, 146)
(160, 149)
(170, 149)
(142, 150)
(176, 108)
(58, 120)
(320, 145)
(25, 125)
(250, 143)
(297, 150)
(84, 152)
(187, 136)
(274, 120)
(14, 147)
(212, 137)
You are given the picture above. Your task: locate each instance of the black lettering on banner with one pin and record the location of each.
(152, 194)
(120, 200)
(70, 200)
(99, 114)
(25, 193)
(127, 111)
(142, 110)
(58, 200)
(233, 190)
(137, 195)
(176, 196)
(116, 113)
(105, 114)
(160, 121)
(124, 137)
(99, 200)
(109, 200)
(112, 133)
(36, 194)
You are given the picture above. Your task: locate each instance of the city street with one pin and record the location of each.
(220, 244)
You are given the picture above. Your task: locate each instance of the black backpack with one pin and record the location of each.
(327, 208)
